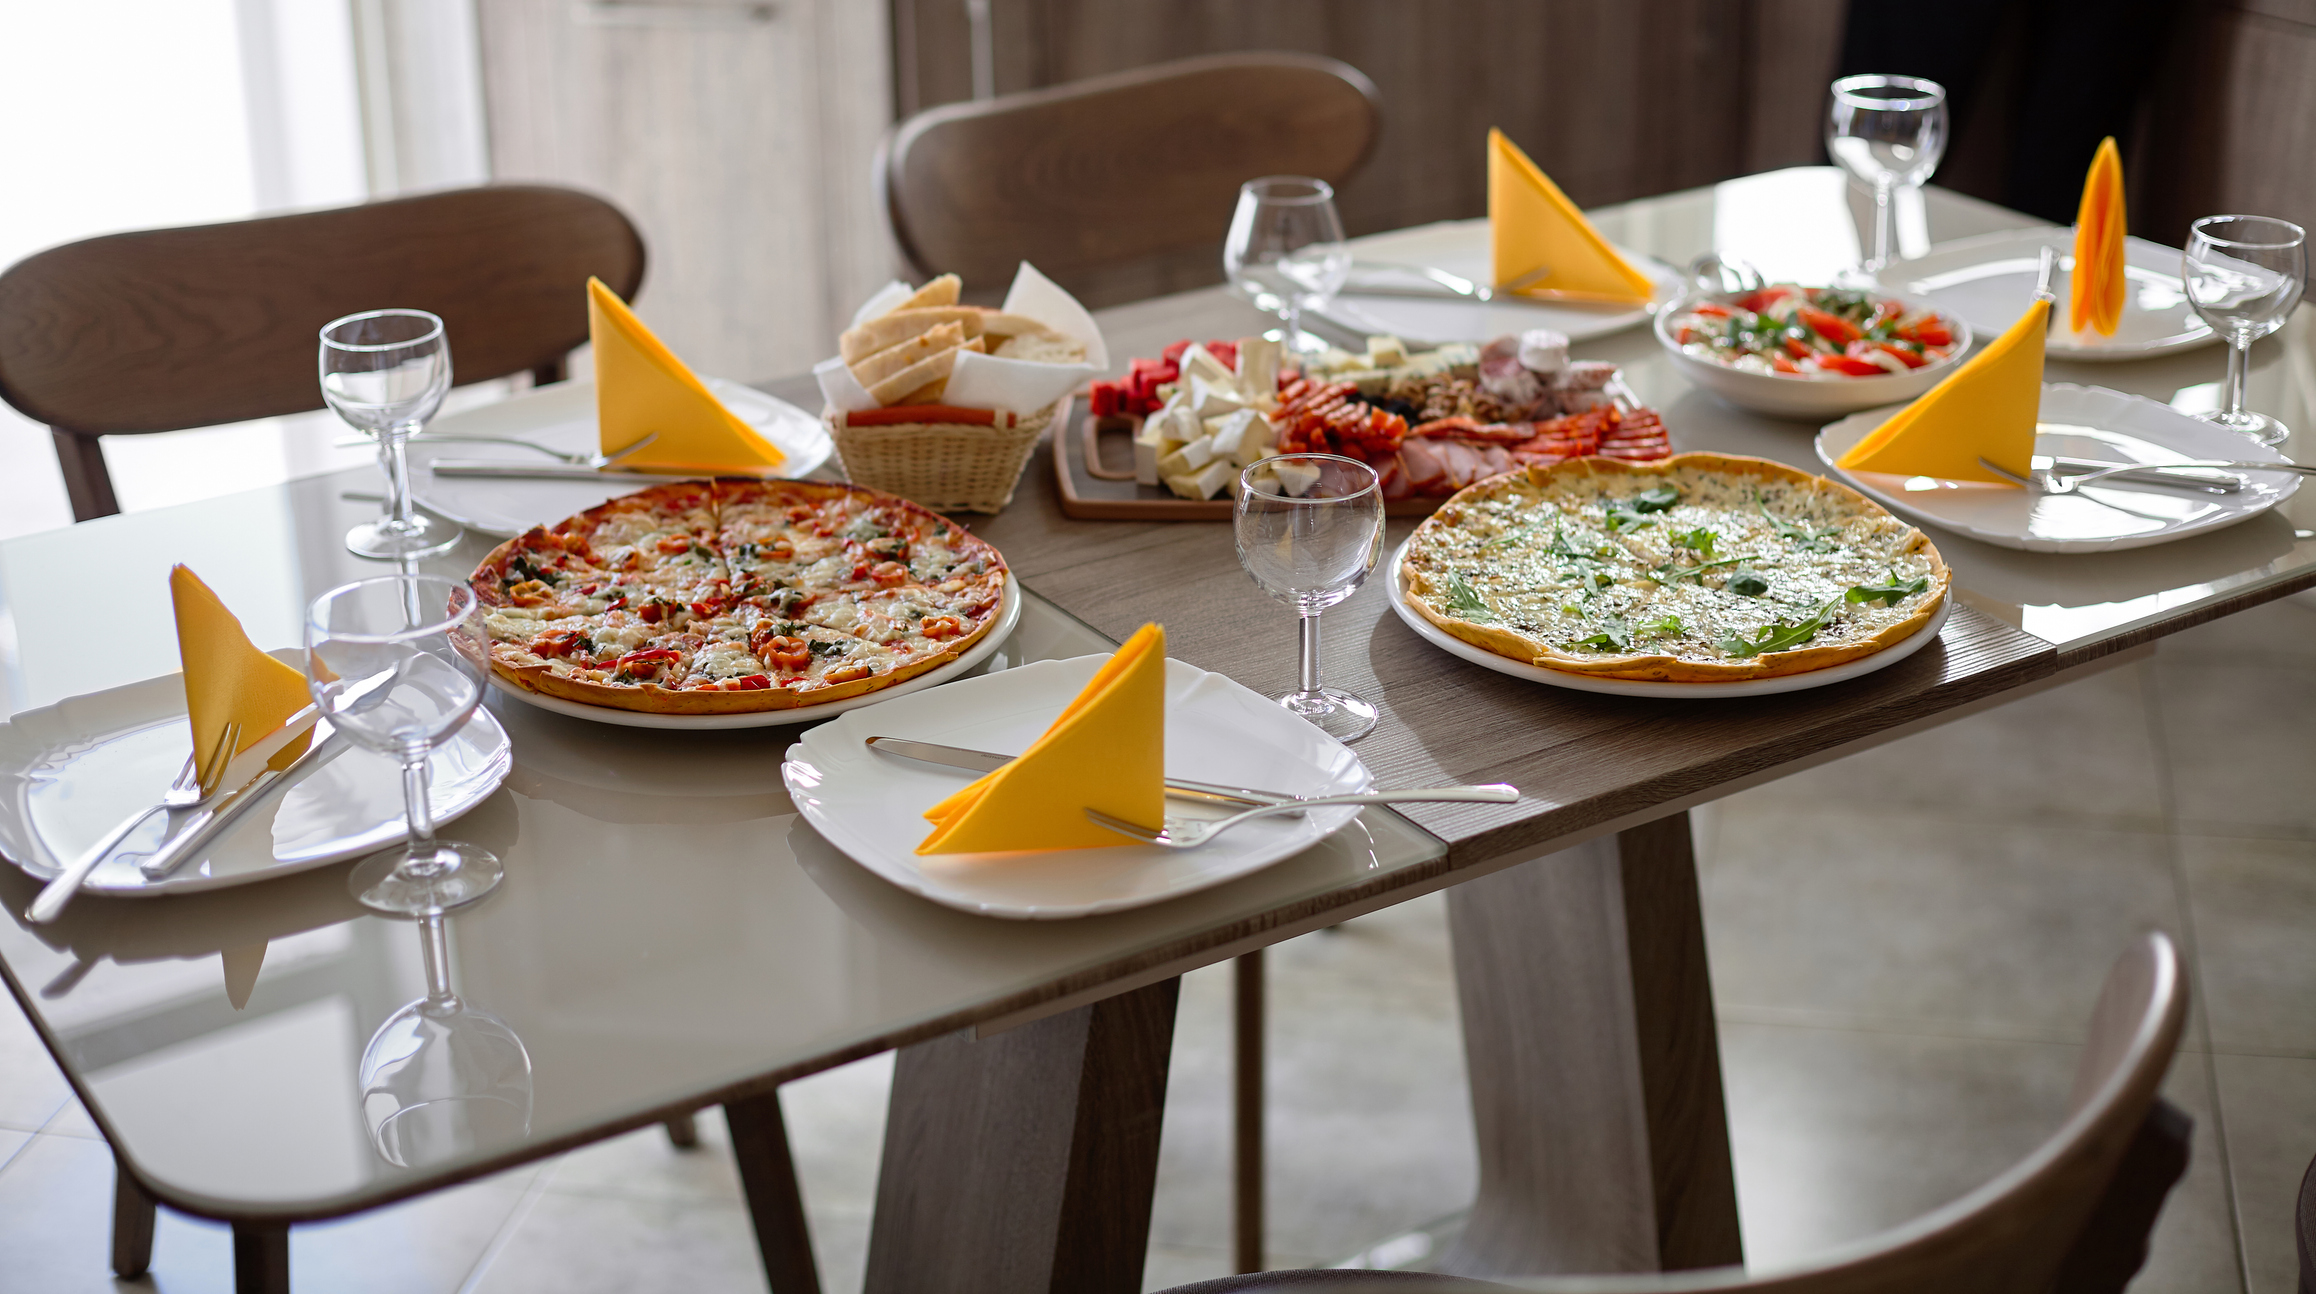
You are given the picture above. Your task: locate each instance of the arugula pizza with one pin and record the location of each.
(733, 596)
(1699, 568)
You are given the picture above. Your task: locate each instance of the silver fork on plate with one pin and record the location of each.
(2051, 482)
(1445, 284)
(184, 793)
(1182, 834)
(573, 457)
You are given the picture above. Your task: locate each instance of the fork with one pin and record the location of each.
(183, 793)
(2053, 483)
(1179, 834)
(573, 457)
(1447, 284)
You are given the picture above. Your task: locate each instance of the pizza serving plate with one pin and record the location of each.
(1461, 247)
(2085, 422)
(562, 417)
(69, 772)
(1481, 656)
(871, 805)
(1008, 615)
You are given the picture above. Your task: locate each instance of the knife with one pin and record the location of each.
(216, 819)
(507, 470)
(981, 761)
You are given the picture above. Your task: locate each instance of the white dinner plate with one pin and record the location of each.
(70, 772)
(1008, 615)
(562, 417)
(2079, 422)
(1478, 655)
(1989, 280)
(871, 805)
(1461, 247)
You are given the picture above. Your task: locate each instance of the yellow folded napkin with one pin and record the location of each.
(1986, 408)
(1532, 224)
(1107, 751)
(2097, 298)
(641, 387)
(227, 679)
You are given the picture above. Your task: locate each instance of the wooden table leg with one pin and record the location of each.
(683, 1132)
(775, 1204)
(132, 1226)
(260, 1258)
(1595, 1070)
(1026, 1161)
(1246, 1193)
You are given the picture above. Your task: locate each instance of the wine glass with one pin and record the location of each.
(1285, 251)
(1888, 131)
(385, 372)
(2244, 274)
(1309, 527)
(395, 662)
(441, 1079)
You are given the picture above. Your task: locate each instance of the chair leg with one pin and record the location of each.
(261, 1263)
(775, 1202)
(86, 482)
(132, 1226)
(1247, 1114)
(554, 371)
(683, 1132)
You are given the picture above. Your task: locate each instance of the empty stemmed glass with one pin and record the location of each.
(1888, 131)
(1309, 527)
(2244, 274)
(385, 372)
(1285, 251)
(441, 1079)
(396, 664)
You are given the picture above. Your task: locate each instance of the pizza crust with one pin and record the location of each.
(1657, 667)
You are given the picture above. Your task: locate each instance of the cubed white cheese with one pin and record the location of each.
(1386, 351)
(1258, 366)
(1145, 462)
(1191, 456)
(1214, 476)
(1211, 399)
(1240, 436)
(1200, 362)
(1296, 478)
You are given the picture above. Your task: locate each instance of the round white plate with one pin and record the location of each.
(2079, 422)
(69, 772)
(1477, 655)
(1461, 247)
(1989, 280)
(871, 805)
(562, 417)
(1008, 615)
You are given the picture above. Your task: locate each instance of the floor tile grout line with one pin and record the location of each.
(515, 1218)
(2166, 792)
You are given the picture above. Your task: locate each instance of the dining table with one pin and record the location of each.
(671, 935)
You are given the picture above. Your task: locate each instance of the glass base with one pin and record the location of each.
(2259, 426)
(1304, 342)
(1337, 713)
(388, 542)
(382, 886)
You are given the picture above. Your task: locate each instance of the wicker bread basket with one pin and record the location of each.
(945, 466)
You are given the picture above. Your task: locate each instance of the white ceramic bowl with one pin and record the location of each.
(1807, 397)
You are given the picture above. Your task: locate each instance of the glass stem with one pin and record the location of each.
(397, 462)
(1884, 219)
(421, 814)
(434, 940)
(1310, 656)
(2239, 374)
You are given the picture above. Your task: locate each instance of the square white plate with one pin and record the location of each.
(1989, 280)
(1461, 247)
(2079, 422)
(871, 805)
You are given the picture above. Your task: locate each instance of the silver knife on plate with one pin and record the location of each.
(982, 761)
(211, 823)
(508, 470)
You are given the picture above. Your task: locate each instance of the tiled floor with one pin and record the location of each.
(1904, 947)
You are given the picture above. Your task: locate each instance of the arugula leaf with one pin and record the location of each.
(1804, 538)
(1747, 582)
(1662, 628)
(1623, 520)
(1464, 600)
(819, 648)
(1699, 541)
(1614, 635)
(1890, 594)
(1779, 636)
(1672, 573)
(1559, 545)
(1657, 499)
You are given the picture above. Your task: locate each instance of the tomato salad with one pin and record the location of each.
(1813, 333)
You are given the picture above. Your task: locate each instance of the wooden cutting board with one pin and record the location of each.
(1093, 468)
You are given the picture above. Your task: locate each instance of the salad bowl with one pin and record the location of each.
(1865, 347)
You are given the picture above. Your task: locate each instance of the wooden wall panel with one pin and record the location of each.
(2233, 127)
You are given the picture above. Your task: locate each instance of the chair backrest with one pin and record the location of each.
(1119, 185)
(171, 328)
(2010, 1236)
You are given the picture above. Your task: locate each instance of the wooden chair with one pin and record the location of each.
(1121, 186)
(166, 329)
(2070, 1218)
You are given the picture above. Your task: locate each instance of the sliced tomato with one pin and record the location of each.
(1763, 299)
(1712, 310)
(1932, 332)
(1832, 327)
(1783, 365)
(1910, 358)
(1798, 348)
(1849, 365)
(1685, 335)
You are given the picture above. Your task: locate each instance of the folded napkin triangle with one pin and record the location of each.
(2096, 301)
(1987, 408)
(642, 388)
(1107, 751)
(1532, 225)
(227, 679)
